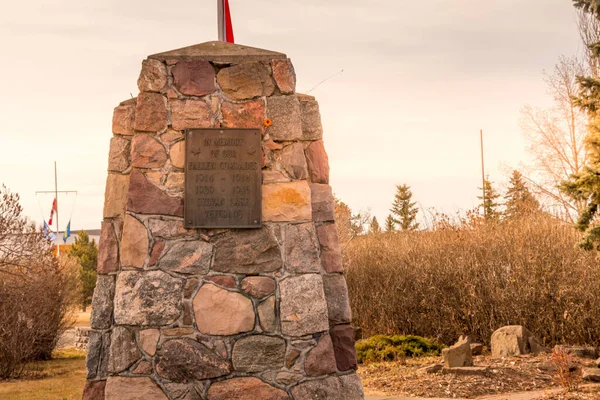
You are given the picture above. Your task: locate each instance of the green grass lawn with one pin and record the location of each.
(59, 379)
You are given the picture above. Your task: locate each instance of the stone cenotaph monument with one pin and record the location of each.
(220, 274)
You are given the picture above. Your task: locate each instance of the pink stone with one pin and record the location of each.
(194, 78)
(225, 281)
(118, 156)
(244, 115)
(246, 81)
(150, 113)
(147, 152)
(271, 145)
(222, 312)
(122, 388)
(148, 339)
(286, 202)
(321, 359)
(245, 389)
(318, 162)
(322, 202)
(177, 154)
(115, 195)
(123, 117)
(108, 251)
(153, 77)
(157, 250)
(145, 198)
(143, 368)
(331, 254)
(187, 114)
(284, 74)
(258, 286)
(266, 314)
(171, 135)
(134, 244)
(94, 390)
(342, 337)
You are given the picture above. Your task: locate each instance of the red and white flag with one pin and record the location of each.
(225, 25)
(52, 212)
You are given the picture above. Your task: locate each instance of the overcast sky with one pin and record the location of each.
(420, 79)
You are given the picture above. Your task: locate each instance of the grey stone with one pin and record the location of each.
(293, 161)
(183, 360)
(123, 350)
(476, 349)
(288, 378)
(347, 387)
(302, 249)
(338, 303)
(582, 351)
(102, 302)
(190, 257)
(458, 355)
(147, 298)
(510, 341)
(248, 252)
(430, 369)
(285, 113)
(311, 119)
(220, 52)
(303, 306)
(258, 353)
(97, 355)
(590, 374)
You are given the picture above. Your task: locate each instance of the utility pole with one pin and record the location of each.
(482, 173)
(56, 192)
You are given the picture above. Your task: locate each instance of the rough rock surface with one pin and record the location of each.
(286, 202)
(93, 390)
(266, 314)
(248, 252)
(459, 354)
(118, 157)
(221, 312)
(194, 78)
(183, 360)
(285, 113)
(331, 253)
(342, 337)
(302, 249)
(188, 114)
(150, 113)
(321, 359)
(108, 253)
(258, 353)
(347, 387)
(258, 286)
(153, 77)
(122, 388)
(147, 298)
(102, 303)
(510, 341)
(246, 81)
(147, 152)
(134, 245)
(338, 303)
(245, 389)
(115, 197)
(148, 339)
(190, 257)
(146, 198)
(123, 350)
(303, 306)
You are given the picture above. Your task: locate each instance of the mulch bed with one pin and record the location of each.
(515, 374)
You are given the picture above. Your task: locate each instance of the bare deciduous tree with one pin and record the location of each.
(555, 138)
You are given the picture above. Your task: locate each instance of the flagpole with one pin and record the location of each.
(221, 20)
(56, 199)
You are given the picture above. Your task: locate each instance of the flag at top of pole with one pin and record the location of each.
(225, 25)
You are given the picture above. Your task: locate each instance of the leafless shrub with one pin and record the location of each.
(469, 277)
(567, 376)
(36, 291)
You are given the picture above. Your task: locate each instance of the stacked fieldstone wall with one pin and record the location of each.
(219, 314)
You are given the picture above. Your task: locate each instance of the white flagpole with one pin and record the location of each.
(221, 20)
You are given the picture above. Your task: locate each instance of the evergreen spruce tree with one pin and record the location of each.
(585, 186)
(404, 210)
(390, 225)
(374, 226)
(86, 254)
(490, 205)
(520, 202)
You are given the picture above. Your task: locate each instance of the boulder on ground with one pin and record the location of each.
(591, 374)
(514, 340)
(582, 351)
(458, 355)
(482, 371)
(430, 369)
(476, 349)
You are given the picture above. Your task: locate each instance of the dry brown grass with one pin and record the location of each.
(472, 278)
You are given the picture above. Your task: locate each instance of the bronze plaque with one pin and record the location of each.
(223, 178)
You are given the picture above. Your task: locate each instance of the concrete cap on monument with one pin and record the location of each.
(220, 53)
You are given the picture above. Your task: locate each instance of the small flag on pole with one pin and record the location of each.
(67, 232)
(52, 212)
(48, 232)
(225, 24)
